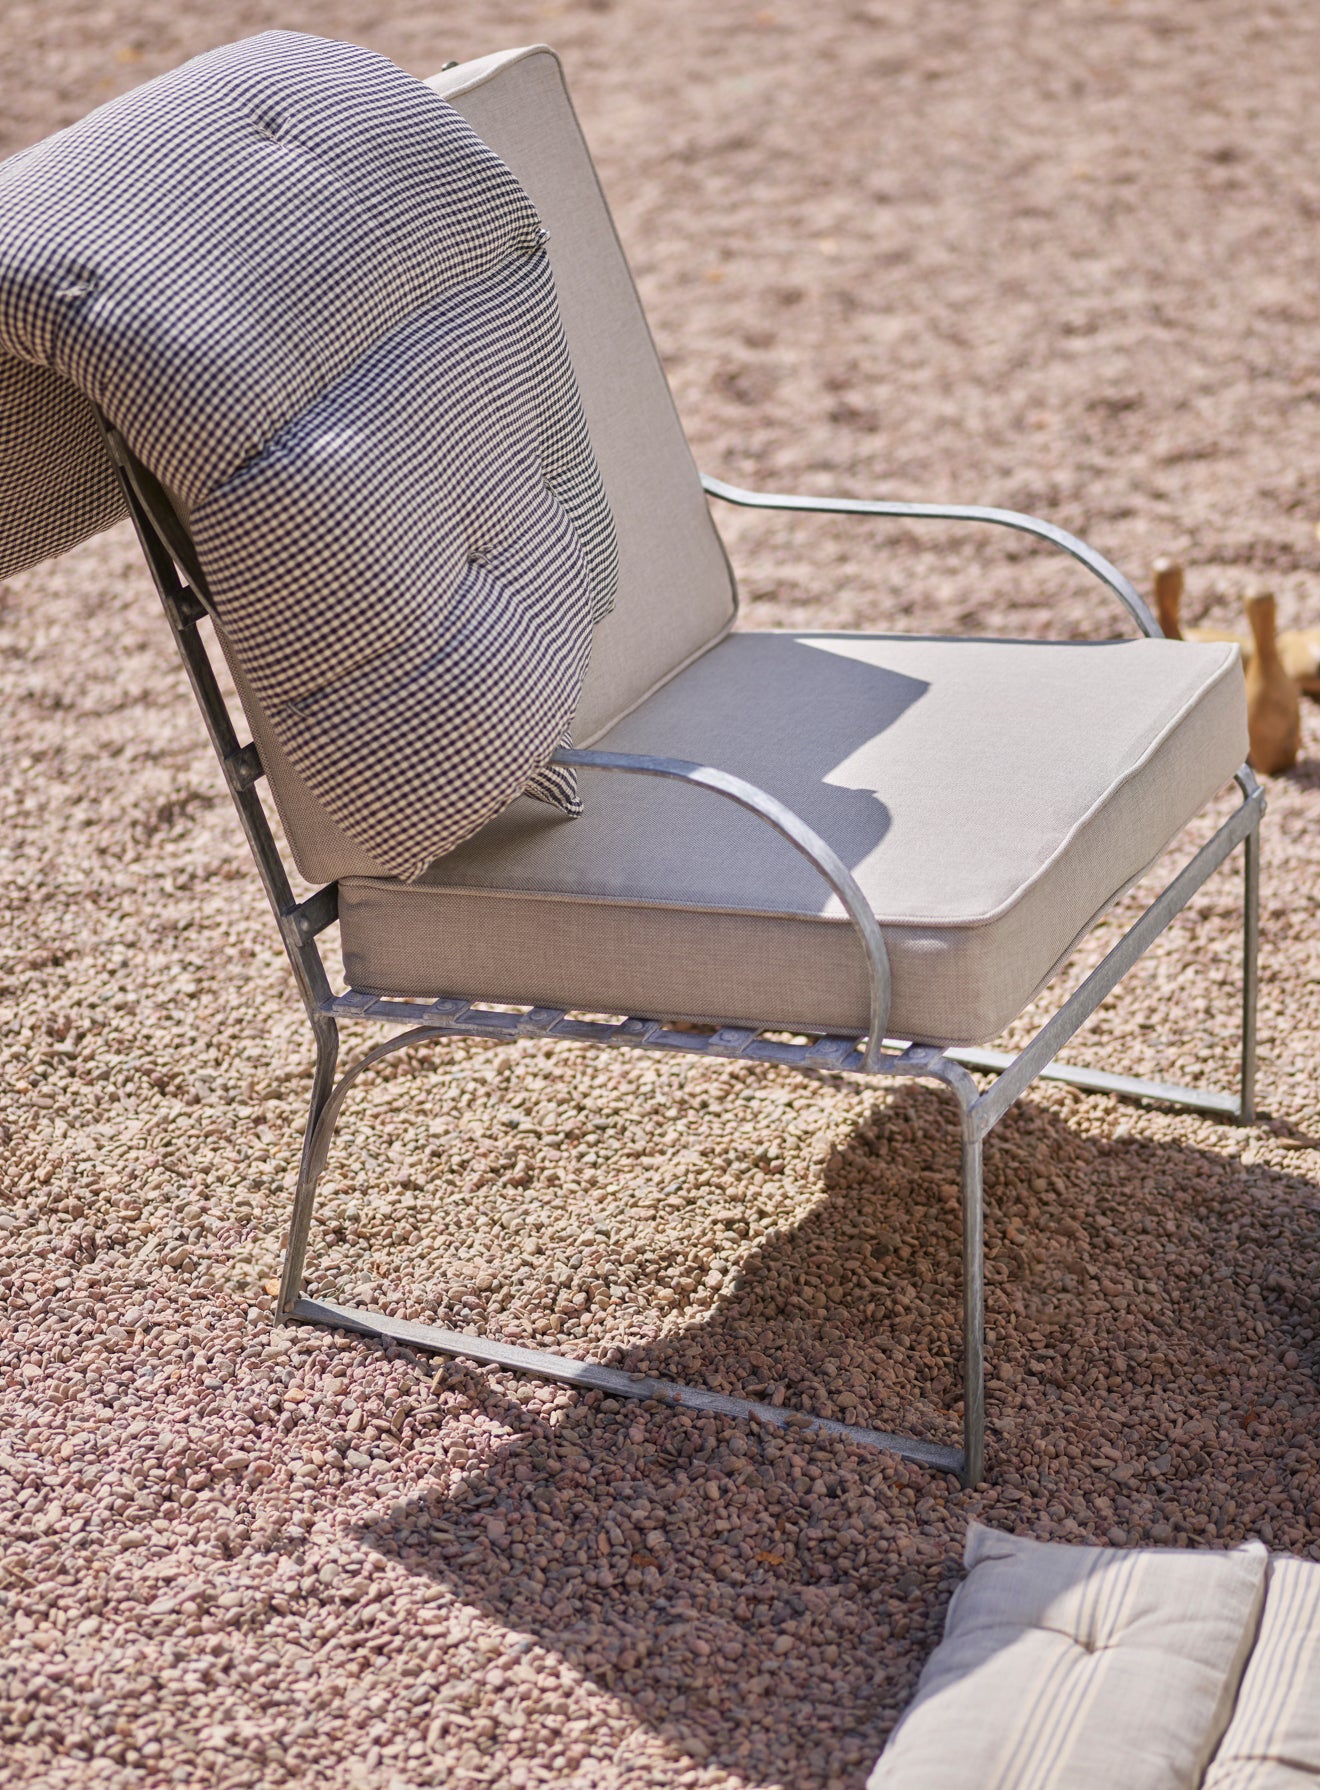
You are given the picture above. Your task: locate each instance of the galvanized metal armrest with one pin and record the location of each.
(1094, 562)
(798, 834)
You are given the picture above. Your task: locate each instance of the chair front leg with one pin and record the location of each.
(973, 1228)
(1250, 972)
(310, 1163)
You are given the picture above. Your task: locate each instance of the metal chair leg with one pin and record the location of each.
(310, 1163)
(972, 1470)
(327, 1102)
(1250, 972)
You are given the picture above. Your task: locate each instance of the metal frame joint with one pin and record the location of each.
(244, 767)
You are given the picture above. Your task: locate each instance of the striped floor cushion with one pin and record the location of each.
(1073, 1668)
(1273, 1740)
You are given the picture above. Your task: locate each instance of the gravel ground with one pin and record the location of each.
(1057, 256)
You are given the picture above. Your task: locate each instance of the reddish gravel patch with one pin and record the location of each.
(887, 249)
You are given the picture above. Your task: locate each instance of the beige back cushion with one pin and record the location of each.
(676, 594)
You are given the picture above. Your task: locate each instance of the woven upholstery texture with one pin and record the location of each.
(1079, 1668)
(667, 900)
(676, 588)
(319, 308)
(676, 592)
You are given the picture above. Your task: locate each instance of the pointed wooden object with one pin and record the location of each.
(1274, 719)
(1299, 649)
(1169, 580)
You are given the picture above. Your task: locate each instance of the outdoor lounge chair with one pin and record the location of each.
(882, 847)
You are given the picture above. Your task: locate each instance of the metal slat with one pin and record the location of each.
(244, 768)
(185, 608)
(464, 1019)
(315, 914)
(614, 1381)
(1101, 1081)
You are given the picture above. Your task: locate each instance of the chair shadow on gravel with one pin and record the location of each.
(1153, 1377)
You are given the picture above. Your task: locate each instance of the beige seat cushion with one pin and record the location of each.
(1067, 1668)
(991, 797)
(675, 593)
(1273, 1741)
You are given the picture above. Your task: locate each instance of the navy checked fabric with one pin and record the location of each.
(320, 310)
(57, 484)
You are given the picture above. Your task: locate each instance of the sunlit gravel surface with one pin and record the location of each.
(1063, 258)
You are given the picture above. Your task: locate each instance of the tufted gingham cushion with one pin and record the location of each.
(676, 594)
(320, 309)
(57, 483)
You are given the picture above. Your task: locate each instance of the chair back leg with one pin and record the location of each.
(1250, 972)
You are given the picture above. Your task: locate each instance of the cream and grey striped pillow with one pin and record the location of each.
(1273, 1741)
(1077, 1668)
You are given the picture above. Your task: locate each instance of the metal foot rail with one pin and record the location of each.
(612, 1381)
(456, 1018)
(1102, 1081)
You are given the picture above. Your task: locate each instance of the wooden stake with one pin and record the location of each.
(1169, 582)
(1274, 720)
(1168, 576)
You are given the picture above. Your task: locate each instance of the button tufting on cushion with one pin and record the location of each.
(346, 358)
(1006, 1703)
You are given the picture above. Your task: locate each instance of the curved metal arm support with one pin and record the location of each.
(1094, 562)
(1246, 780)
(319, 1142)
(799, 835)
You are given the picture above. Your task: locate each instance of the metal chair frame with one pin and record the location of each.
(169, 553)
